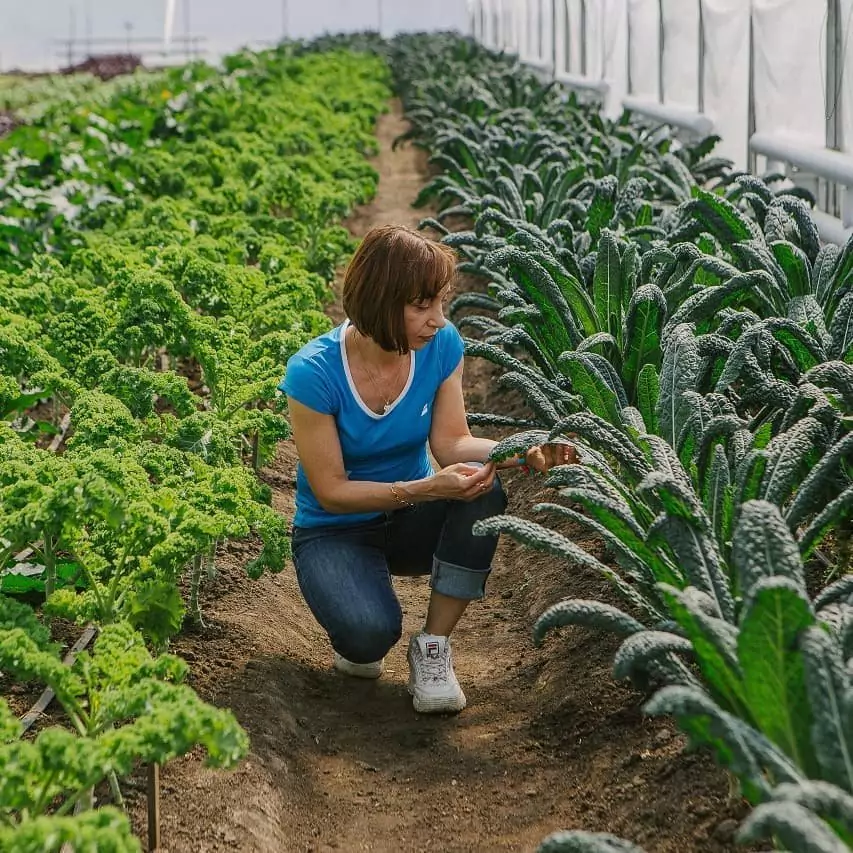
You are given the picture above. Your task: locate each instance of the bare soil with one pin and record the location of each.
(549, 741)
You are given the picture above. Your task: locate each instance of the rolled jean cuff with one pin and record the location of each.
(457, 581)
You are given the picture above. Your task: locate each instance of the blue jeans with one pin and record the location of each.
(345, 572)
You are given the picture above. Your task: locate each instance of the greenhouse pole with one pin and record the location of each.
(553, 37)
(701, 78)
(752, 158)
(629, 48)
(71, 34)
(188, 43)
(834, 102)
(661, 39)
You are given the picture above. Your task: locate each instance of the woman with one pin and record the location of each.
(365, 400)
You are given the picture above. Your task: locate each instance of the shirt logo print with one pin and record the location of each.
(425, 409)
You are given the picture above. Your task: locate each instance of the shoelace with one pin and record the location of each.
(435, 668)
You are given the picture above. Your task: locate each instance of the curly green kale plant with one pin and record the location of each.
(124, 707)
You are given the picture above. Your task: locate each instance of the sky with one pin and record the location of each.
(29, 29)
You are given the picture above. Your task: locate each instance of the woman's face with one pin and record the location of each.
(423, 319)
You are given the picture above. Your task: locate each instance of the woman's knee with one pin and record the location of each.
(492, 502)
(366, 639)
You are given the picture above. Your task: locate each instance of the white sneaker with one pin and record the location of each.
(359, 670)
(432, 681)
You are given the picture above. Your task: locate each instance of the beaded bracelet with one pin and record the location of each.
(398, 498)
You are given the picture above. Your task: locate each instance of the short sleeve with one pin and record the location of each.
(306, 382)
(452, 350)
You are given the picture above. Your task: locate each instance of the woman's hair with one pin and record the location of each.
(392, 267)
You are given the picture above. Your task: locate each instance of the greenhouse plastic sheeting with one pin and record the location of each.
(616, 53)
(572, 37)
(845, 97)
(681, 53)
(727, 75)
(790, 68)
(645, 37)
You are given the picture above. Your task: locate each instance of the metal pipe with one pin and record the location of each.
(701, 78)
(554, 35)
(752, 160)
(661, 47)
(834, 101)
(630, 81)
(575, 81)
(584, 69)
(823, 162)
(681, 117)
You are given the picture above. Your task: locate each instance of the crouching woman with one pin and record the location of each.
(366, 401)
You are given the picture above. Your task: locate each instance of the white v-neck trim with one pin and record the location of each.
(362, 405)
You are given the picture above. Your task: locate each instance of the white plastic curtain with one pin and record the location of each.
(681, 52)
(614, 52)
(790, 68)
(602, 39)
(727, 75)
(644, 23)
(574, 37)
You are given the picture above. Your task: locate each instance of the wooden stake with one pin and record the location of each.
(153, 808)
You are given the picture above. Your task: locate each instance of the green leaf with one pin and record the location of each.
(644, 322)
(792, 825)
(828, 685)
(640, 649)
(717, 494)
(603, 206)
(591, 383)
(763, 546)
(646, 396)
(707, 724)
(680, 371)
(796, 265)
(577, 841)
(772, 665)
(591, 614)
(721, 218)
(607, 285)
(714, 643)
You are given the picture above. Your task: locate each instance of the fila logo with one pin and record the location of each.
(432, 649)
(425, 409)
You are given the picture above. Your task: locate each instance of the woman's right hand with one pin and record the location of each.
(462, 482)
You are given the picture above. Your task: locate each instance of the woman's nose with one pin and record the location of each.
(437, 319)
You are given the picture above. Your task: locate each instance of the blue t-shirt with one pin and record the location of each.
(379, 448)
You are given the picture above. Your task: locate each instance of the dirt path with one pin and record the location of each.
(548, 741)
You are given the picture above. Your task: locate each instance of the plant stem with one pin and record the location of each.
(116, 790)
(49, 552)
(195, 585)
(211, 560)
(92, 581)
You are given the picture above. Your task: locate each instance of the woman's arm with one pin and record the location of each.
(450, 440)
(319, 449)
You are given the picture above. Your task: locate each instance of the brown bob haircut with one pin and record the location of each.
(394, 266)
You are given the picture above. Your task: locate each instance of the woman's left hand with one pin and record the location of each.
(546, 456)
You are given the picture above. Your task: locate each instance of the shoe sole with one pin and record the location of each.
(349, 669)
(437, 704)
